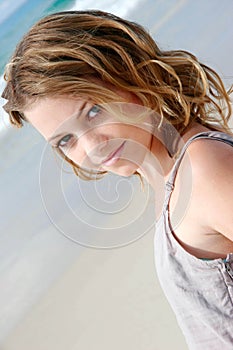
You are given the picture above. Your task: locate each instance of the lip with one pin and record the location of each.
(110, 160)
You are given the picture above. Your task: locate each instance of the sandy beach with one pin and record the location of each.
(105, 299)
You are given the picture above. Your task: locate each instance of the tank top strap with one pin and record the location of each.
(215, 135)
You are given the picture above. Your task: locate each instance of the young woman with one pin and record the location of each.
(99, 89)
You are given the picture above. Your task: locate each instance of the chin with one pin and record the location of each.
(125, 170)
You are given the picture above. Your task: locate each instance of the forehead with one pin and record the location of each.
(49, 114)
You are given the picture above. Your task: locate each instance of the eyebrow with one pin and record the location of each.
(78, 115)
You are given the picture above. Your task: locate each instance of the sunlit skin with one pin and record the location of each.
(99, 134)
(96, 134)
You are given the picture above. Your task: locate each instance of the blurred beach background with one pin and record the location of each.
(57, 289)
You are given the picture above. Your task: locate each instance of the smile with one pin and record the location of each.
(113, 158)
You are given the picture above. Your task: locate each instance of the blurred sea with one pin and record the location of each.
(16, 17)
(33, 252)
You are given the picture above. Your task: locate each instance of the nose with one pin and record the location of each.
(90, 149)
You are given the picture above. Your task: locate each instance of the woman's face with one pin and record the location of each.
(90, 135)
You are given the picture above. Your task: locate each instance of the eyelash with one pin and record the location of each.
(58, 144)
(96, 112)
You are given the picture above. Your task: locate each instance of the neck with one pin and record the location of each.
(157, 165)
(159, 161)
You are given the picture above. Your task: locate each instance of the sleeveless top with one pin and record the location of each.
(200, 292)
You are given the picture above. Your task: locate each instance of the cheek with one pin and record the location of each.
(135, 152)
(76, 155)
(141, 135)
(82, 159)
(138, 139)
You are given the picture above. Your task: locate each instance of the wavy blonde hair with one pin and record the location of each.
(64, 50)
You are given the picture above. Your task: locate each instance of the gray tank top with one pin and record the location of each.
(200, 292)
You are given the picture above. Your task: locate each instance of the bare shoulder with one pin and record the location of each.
(206, 154)
(212, 183)
(202, 201)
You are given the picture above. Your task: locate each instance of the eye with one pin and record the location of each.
(65, 141)
(93, 112)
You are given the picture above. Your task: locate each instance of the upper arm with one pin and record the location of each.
(212, 181)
